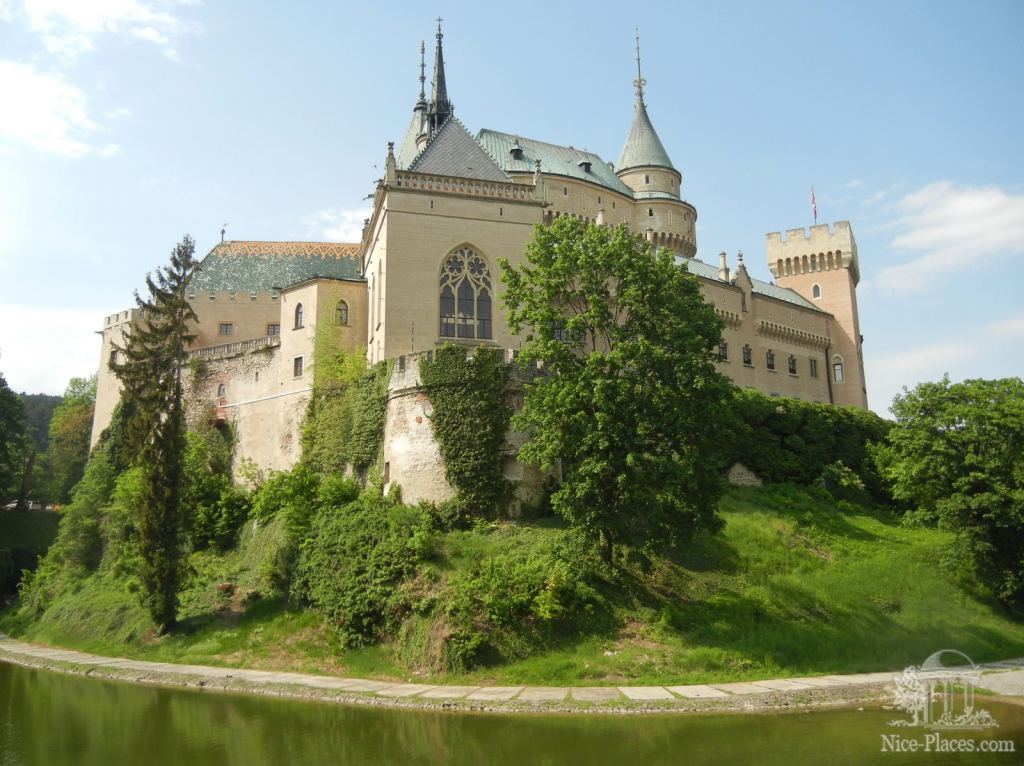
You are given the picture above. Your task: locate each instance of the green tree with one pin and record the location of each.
(69, 432)
(12, 441)
(630, 406)
(957, 453)
(155, 351)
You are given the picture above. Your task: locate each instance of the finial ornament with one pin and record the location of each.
(639, 82)
(439, 28)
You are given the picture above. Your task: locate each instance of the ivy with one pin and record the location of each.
(345, 419)
(470, 419)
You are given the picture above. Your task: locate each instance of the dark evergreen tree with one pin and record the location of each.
(12, 440)
(153, 355)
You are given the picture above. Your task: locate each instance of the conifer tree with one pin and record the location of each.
(153, 355)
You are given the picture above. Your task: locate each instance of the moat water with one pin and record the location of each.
(50, 719)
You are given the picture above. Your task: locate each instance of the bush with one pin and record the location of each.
(351, 562)
(789, 440)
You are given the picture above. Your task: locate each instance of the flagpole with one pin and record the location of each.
(814, 206)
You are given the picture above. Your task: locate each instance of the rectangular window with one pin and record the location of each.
(226, 328)
(792, 365)
(769, 359)
(723, 350)
(814, 367)
(297, 367)
(565, 191)
(837, 369)
(273, 329)
(748, 356)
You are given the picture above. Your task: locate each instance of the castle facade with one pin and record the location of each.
(451, 204)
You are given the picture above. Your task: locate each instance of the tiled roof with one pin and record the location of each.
(407, 151)
(554, 159)
(248, 265)
(454, 152)
(643, 147)
(708, 271)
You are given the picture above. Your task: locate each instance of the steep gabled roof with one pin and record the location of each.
(262, 266)
(452, 151)
(554, 159)
(759, 287)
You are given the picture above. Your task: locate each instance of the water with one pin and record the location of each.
(51, 719)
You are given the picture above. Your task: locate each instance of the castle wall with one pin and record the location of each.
(248, 313)
(266, 418)
(108, 386)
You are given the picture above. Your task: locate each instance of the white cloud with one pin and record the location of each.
(336, 225)
(69, 28)
(52, 346)
(888, 374)
(944, 227)
(43, 111)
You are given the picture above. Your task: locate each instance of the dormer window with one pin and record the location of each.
(516, 152)
(584, 165)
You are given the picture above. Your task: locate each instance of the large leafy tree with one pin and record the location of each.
(155, 351)
(630, 405)
(12, 440)
(957, 453)
(69, 432)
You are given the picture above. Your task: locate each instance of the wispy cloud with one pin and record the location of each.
(944, 228)
(888, 374)
(46, 112)
(69, 28)
(336, 225)
(72, 347)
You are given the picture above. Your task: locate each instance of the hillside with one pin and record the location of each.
(795, 584)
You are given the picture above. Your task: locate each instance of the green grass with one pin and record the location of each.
(794, 585)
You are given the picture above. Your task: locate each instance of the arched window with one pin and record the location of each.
(298, 316)
(222, 391)
(837, 369)
(816, 291)
(465, 296)
(341, 313)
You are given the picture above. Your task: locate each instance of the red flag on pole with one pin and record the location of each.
(814, 206)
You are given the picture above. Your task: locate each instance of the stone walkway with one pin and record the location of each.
(478, 697)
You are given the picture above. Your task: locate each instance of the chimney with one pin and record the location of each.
(723, 267)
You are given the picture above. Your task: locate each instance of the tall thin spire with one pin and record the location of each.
(423, 67)
(639, 82)
(440, 107)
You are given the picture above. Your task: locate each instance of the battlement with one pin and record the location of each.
(121, 317)
(823, 247)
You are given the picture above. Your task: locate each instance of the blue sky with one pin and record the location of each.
(126, 123)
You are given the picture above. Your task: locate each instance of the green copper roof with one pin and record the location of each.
(643, 147)
(262, 266)
(554, 159)
(452, 151)
(707, 271)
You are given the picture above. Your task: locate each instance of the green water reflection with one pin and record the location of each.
(52, 719)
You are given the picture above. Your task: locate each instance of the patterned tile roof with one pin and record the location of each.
(261, 266)
(454, 152)
(707, 271)
(554, 159)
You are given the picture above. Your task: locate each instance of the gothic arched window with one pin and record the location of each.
(465, 296)
(298, 316)
(341, 313)
(816, 291)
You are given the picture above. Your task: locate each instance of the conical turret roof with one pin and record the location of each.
(643, 147)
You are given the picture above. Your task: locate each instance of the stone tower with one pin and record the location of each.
(822, 266)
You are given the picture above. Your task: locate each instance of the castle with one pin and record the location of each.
(449, 206)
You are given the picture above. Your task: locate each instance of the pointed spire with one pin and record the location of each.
(643, 147)
(423, 76)
(440, 108)
(639, 82)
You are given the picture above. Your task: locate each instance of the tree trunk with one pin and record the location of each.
(607, 547)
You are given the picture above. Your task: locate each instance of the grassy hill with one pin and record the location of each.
(795, 584)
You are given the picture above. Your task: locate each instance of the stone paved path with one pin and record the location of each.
(1006, 677)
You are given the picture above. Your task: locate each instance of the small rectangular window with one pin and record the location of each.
(769, 359)
(565, 191)
(723, 350)
(792, 365)
(837, 371)
(226, 328)
(813, 367)
(273, 328)
(650, 212)
(748, 356)
(297, 367)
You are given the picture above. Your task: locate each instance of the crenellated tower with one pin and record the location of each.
(822, 266)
